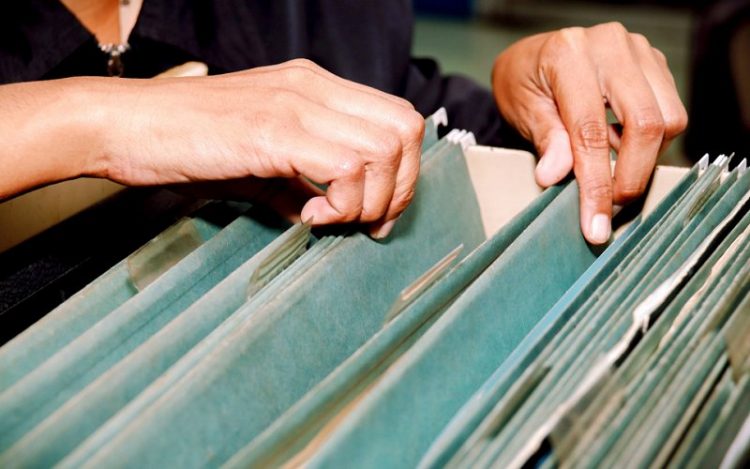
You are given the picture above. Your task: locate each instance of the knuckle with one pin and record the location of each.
(640, 40)
(591, 136)
(349, 167)
(681, 121)
(410, 126)
(406, 188)
(415, 125)
(549, 50)
(559, 47)
(660, 56)
(402, 199)
(615, 27)
(649, 125)
(597, 188)
(296, 74)
(388, 147)
(371, 213)
(299, 72)
(676, 122)
(303, 63)
(630, 190)
(567, 38)
(349, 214)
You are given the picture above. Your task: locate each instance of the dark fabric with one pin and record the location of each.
(46, 270)
(367, 41)
(716, 123)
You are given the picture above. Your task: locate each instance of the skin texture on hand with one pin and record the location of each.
(555, 88)
(293, 121)
(288, 120)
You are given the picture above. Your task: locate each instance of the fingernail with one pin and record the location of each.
(543, 163)
(384, 230)
(601, 228)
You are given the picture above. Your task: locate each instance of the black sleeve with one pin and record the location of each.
(470, 106)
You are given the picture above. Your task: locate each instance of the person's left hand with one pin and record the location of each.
(555, 87)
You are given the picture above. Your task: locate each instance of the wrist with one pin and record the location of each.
(92, 126)
(52, 131)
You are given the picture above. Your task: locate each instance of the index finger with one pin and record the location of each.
(579, 100)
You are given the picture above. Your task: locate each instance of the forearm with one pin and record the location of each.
(284, 121)
(52, 131)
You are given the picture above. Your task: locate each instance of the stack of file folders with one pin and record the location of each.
(236, 339)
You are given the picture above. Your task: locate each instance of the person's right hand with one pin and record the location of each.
(555, 88)
(288, 120)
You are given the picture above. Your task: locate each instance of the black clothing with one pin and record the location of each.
(716, 118)
(367, 41)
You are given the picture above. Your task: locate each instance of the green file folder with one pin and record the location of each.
(560, 317)
(58, 328)
(235, 340)
(299, 424)
(408, 407)
(292, 342)
(64, 429)
(570, 401)
(36, 395)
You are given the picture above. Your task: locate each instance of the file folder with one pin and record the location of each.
(64, 429)
(467, 338)
(110, 290)
(307, 330)
(29, 400)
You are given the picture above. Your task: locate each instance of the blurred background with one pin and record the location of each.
(706, 42)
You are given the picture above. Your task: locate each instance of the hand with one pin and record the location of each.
(555, 87)
(289, 120)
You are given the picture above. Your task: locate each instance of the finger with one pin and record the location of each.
(632, 100)
(379, 149)
(615, 136)
(342, 203)
(406, 177)
(329, 163)
(655, 68)
(579, 100)
(552, 143)
(406, 181)
(405, 123)
(535, 115)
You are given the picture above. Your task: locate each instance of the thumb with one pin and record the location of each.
(553, 145)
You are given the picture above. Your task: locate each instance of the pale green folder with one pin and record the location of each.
(235, 340)
(37, 394)
(636, 407)
(560, 317)
(293, 430)
(296, 338)
(70, 424)
(58, 328)
(397, 419)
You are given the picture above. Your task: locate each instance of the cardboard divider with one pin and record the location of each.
(503, 179)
